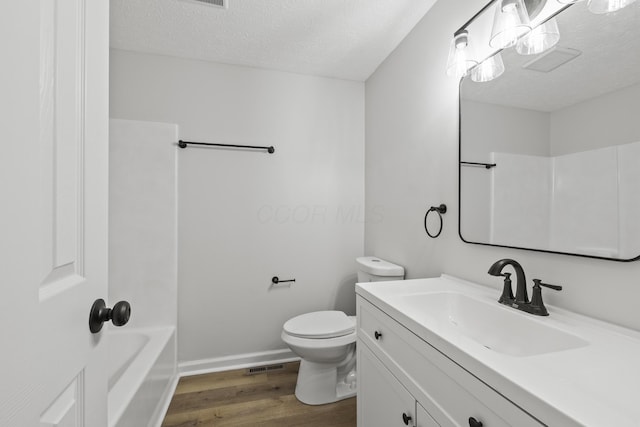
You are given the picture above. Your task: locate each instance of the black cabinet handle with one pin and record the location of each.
(100, 313)
(474, 423)
(377, 334)
(407, 419)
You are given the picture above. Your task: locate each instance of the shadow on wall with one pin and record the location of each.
(346, 295)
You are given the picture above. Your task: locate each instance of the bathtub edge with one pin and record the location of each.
(161, 410)
(120, 397)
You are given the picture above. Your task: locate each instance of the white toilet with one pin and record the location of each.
(326, 343)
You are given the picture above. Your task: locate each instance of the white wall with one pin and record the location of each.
(247, 216)
(584, 214)
(613, 121)
(411, 163)
(521, 200)
(513, 130)
(143, 238)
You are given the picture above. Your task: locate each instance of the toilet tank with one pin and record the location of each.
(374, 269)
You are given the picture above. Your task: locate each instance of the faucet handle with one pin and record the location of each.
(546, 285)
(537, 306)
(507, 292)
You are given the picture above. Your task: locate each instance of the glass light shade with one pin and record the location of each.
(541, 38)
(607, 6)
(459, 62)
(488, 69)
(510, 22)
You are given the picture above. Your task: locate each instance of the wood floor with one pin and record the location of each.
(235, 399)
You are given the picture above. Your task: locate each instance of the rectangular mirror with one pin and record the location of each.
(563, 131)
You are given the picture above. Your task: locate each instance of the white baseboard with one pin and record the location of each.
(161, 410)
(240, 361)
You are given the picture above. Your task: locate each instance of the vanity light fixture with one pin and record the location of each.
(489, 69)
(512, 27)
(607, 6)
(540, 39)
(601, 6)
(511, 21)
(459, 62)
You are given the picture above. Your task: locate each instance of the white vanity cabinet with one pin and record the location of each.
(400, 373)
(423, 417)
(382, 400)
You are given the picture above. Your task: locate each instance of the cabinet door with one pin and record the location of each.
(382, 400)
(423, 418)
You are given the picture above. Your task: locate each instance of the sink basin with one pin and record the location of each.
(490, 324)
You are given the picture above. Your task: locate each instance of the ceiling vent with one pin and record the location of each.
(221, 4)
(552, 59)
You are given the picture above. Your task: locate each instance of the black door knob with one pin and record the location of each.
(377, 335)
(406, 418)
(474, 423)
(100, 313)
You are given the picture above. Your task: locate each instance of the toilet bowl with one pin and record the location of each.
(325, 341)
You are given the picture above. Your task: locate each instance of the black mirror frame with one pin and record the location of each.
(504, 246)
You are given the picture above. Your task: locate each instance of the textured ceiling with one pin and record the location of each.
(610, 60)
(345, 39)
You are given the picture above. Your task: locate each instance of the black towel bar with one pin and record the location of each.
(486, 165)
(184, 144)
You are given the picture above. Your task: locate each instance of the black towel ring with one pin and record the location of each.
(442, 209)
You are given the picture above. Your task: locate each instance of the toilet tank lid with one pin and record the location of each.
(379, 267)
(320, 324)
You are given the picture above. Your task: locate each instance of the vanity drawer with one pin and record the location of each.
(449, 393)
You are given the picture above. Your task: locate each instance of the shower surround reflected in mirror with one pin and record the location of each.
(565, 138)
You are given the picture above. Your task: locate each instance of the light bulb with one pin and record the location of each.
(489, 69)
(541, 38)
(459, 61)
(511, 21)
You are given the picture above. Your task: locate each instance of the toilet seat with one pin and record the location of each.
(320, 325)
(316, 343)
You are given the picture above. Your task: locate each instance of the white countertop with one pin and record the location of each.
(594, 385)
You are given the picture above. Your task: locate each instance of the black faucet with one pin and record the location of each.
(521, 281)
(521, 300)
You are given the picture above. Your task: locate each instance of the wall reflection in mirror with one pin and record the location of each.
(563, 128)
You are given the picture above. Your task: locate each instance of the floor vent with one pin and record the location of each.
(263, 369)
(222, 4)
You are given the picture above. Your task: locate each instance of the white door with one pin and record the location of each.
(53, 210)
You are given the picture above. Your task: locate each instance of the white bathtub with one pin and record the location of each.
(142, 375)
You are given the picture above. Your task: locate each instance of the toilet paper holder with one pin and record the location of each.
(275, 280)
